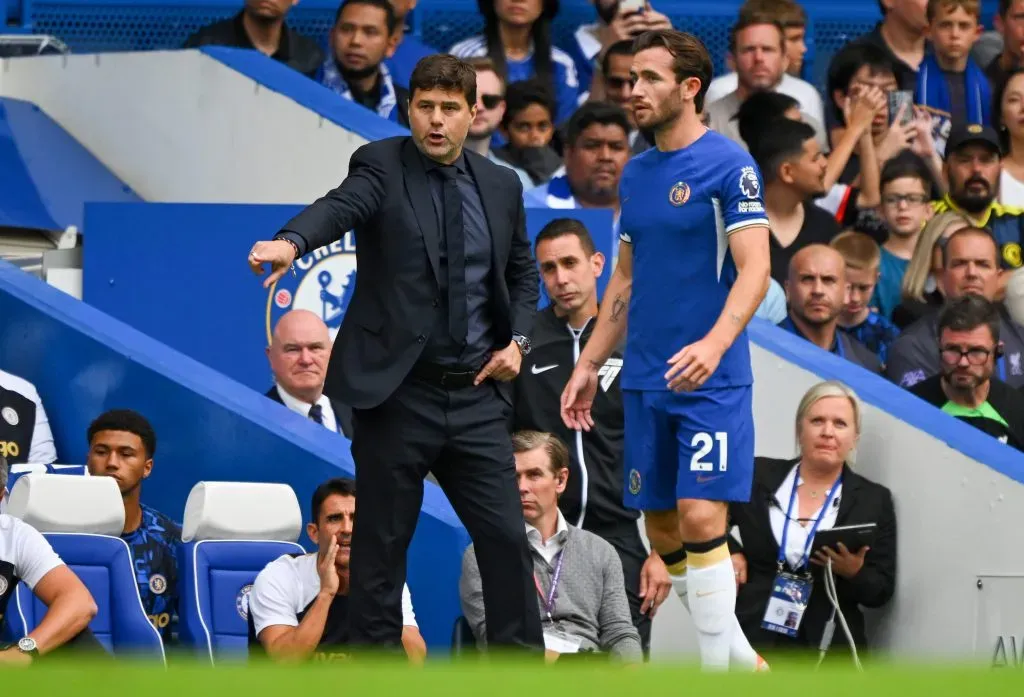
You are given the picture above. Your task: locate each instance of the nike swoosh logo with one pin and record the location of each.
(704, 595)
(537, 371)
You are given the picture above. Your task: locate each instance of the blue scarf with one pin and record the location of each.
(932, 93)
(387, 107)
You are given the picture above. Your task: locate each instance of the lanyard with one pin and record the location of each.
(549, 599)
(814, 528)
(1001, 363)
(788, 325)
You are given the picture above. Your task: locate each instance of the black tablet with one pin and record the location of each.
(853, 536)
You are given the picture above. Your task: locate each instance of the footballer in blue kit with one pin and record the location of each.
(693, 267)
(678, 211)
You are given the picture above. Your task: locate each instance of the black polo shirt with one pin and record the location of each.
(295, 50)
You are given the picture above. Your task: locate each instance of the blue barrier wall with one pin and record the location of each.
(213, 308)
(46, 176)
(208, 426)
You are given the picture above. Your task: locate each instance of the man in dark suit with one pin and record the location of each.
(298, 355)
(437, 327)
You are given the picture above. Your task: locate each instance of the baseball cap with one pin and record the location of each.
(972, 133)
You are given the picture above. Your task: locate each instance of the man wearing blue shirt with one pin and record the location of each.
(693, 268)
(122, 445)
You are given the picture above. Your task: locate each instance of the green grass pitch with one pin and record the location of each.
(474, 679)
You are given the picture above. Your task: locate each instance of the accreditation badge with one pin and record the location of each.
(787, 604)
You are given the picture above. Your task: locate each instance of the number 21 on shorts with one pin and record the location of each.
(705, 443)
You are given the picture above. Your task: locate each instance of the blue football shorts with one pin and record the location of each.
(692, 445)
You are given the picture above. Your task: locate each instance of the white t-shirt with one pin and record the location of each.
(1011, 190)
(23, 547)
(42, 450)
(800, 90)
(288, 585)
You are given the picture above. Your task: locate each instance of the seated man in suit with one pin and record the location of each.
(298, 353)
(299, 605)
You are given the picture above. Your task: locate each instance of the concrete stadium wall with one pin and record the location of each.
(211, 125)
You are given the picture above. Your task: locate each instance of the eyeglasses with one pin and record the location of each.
(976, 355)
(909, 199)
(491, 101)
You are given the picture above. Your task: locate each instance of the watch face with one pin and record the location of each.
(27, 644)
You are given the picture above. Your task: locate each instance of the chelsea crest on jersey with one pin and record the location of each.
(323, 283)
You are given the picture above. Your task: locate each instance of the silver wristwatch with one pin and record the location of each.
(523, 342)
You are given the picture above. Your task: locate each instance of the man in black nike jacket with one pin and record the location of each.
(570, 267)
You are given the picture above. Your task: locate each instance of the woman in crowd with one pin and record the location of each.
(1008, 119)
(921, 289)
(517, 38)
(790, 502)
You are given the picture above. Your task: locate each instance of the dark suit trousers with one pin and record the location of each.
(462, 437)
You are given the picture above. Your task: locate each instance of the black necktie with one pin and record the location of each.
(316, 413)
(455, 244)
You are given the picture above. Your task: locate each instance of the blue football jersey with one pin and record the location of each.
(154, 547)
(678, 210)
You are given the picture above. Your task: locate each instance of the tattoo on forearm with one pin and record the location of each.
(736, 319)
(618, 307)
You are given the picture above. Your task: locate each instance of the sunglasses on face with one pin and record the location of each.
(491, 101)
(616, 83)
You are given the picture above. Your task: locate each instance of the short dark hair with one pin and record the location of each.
(760, 109)
(619, 48)
(558, 454)
(690, 58)
(128, 421)
(970, 312)
(444, 72)
(845, 65)
(603, 113)
(1004, 7)
(390, 18)
(560, 227)
(969, 232)
(338, 486)
(786, 141)
(755, 18)
(907, 165)
(526, 93)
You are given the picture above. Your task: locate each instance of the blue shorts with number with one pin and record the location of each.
(693, 445)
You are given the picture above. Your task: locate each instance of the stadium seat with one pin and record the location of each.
(82, 518)
(231, 532)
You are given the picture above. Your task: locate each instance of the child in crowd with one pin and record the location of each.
(950, 84)
(906, 183)
(862, 257)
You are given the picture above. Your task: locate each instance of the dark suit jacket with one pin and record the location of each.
(386, 200)
(861, 501)
(341, 412)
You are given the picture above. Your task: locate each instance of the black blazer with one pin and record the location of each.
(861, 501)
(342, 413)
(386, 199)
